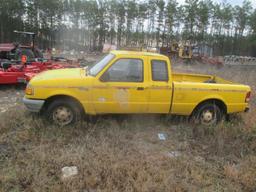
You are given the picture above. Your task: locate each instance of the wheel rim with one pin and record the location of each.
(208, 117)
(63, 115)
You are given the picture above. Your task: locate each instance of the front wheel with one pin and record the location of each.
(208, 114)
(63, 112)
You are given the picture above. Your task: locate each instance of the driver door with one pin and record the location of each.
(121, 88)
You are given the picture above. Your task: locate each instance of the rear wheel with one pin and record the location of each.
(63, 112)
(208, 114)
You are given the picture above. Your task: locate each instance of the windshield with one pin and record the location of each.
(101, 64)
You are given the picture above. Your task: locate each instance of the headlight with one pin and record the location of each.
(29, 90)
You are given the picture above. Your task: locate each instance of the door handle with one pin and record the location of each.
(140, 88)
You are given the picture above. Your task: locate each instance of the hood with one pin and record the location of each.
(60, 74)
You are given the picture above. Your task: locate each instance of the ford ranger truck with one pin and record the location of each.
(126, 82)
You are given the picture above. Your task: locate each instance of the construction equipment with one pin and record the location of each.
(174, 48)
(185, 52)
(19, 63)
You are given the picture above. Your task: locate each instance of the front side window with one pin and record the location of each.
(125, 70)
(159, 70)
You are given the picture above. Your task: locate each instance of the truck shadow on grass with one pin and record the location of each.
(141, 120)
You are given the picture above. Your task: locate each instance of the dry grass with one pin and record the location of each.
(123, 153)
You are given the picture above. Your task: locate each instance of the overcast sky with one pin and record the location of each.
(232, 2)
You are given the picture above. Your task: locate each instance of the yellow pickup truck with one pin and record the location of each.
(133, 82)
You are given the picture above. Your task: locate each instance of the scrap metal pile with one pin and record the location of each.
(239, 60)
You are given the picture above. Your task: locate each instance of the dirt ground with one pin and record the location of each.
(124, 153)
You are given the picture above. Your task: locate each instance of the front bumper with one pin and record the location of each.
(33, 105)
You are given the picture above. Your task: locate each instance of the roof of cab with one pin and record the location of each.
(119, 52)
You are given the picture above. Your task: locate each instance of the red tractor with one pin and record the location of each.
(19, 63)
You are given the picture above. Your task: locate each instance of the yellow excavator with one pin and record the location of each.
(174, 48)
(185, 52)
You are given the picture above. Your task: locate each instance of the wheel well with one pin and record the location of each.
(218, 102)
(70, 98)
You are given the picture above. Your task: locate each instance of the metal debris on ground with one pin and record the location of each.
(239, 60)
(162, 136)
(173, 154)
(69, 172)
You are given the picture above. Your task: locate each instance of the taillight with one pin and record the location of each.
(247, 98)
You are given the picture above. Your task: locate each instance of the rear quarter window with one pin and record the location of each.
(159, 70)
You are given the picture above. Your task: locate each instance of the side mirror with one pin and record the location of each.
(105, 77)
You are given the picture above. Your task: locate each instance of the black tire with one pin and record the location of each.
(63, 112)
(208, 114)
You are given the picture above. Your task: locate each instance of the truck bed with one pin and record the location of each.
(198, 78)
